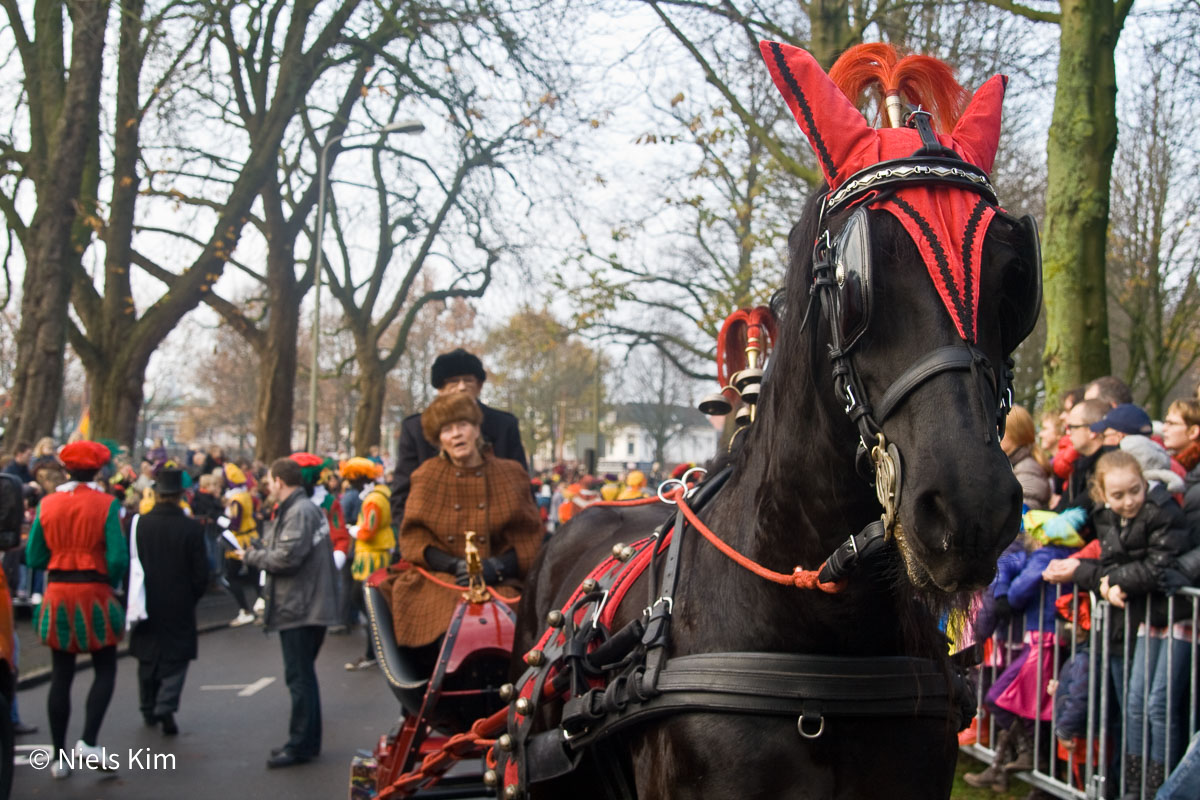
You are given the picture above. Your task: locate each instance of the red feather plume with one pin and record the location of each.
(868, 72)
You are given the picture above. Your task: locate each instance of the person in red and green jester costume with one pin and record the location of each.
(316, 473)
(76, 536)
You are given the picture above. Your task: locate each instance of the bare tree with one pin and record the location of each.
(1154, 248)
(61, 90)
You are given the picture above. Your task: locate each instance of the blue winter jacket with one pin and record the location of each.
(1071, 698)
(1024, 590)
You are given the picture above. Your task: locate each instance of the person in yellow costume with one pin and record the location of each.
(150, 499)
(375, 538)
(635, 486)
(239, 520)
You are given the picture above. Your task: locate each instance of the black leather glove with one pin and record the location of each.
(461, 576)
(499, 568)
(441, 561)
(1003, 610)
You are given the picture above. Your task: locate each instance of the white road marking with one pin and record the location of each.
(243, 689)
(256, 687)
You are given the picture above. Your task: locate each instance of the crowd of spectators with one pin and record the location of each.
(1112, 505)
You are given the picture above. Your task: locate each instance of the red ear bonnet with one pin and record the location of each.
(947, 224)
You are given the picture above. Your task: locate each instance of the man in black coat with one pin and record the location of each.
(456, 371)
(170, 547)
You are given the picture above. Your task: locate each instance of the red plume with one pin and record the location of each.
(876, 70)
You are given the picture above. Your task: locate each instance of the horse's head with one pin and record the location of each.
(922, 287)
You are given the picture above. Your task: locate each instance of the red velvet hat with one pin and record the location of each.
(947, 224)
(84, 456)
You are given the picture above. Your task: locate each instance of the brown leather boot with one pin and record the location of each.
(1022, 743)
(994, 777)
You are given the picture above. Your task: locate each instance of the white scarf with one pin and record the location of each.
(135, 609)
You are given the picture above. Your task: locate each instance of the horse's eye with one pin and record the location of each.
(853, 272)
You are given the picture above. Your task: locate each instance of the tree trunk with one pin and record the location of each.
(277, 384)
(1083, 139)
(277, 357)
(49, 253)
(116, 398)
(368, 416)
(830, 31)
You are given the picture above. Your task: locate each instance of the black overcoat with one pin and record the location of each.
(500, 429)
(170, 545)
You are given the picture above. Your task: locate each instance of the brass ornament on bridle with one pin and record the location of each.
(886, 458)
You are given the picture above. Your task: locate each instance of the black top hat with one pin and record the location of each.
(170, 481)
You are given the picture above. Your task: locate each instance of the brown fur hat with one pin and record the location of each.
(447, 408)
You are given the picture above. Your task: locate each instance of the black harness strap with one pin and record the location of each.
(657, 635)
(775, 684)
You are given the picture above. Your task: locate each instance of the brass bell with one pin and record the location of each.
(505, 742)
(490, 778)
(746, 377)
(715, 405)
(751, 392)
(535, 658)
(623, 552)
(506, 692)
(742, 417)
(524, 706)
(589, 585)
(512, 792)
(554, 619)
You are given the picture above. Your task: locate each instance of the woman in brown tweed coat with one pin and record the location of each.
(464, 489)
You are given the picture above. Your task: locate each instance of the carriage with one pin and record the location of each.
(439, 706)
(773, 631)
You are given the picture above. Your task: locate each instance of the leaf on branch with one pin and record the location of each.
(677, 99)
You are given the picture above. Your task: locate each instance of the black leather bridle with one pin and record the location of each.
(931, 165)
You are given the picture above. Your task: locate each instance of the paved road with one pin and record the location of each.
(225, 737)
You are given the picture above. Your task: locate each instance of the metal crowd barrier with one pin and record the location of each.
(1098, 771)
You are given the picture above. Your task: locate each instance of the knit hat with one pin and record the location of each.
(456, 362)
(448, 408)
(1154, 459)
(84, 455)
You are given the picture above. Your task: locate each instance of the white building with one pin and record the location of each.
(630, 431)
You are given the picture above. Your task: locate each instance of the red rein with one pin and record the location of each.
(798, 577)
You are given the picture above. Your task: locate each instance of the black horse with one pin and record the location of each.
(796, 492)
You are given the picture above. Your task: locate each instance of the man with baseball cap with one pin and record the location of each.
(1124, 420)
(456, 371)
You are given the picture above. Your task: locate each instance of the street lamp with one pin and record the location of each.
(404, 126)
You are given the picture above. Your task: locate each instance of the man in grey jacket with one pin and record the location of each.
(297, 557)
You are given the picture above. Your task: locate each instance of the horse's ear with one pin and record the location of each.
(977, 133)
(834, 127)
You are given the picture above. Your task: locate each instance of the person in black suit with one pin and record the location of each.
(456, 371)
(170, 547)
